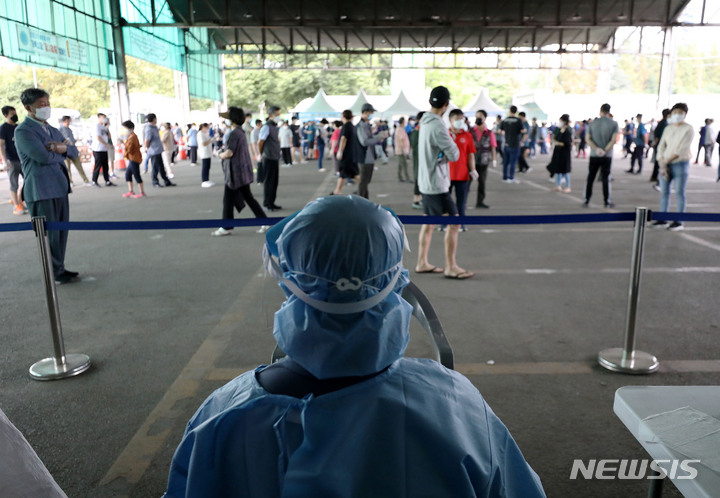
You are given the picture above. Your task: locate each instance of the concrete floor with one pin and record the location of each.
(168, 316)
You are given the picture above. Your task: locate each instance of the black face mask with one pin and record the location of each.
(478, 121)
(14, 119)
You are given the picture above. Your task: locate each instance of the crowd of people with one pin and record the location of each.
(251, 150)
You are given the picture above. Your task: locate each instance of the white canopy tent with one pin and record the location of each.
(401, 106)
(320, 107)
(356, 106)
(484, 102)
(303, 105)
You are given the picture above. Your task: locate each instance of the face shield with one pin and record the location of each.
(339, 263)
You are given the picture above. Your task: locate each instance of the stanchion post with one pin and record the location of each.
(61, 365)
(627, 359)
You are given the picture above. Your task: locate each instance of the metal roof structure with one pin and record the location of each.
(395, 26)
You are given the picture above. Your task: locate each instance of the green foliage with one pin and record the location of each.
(697, 72)
(641, 71)
(83, 93)
(285, 88)
(149, 78)
(66, 90)
(200, 104)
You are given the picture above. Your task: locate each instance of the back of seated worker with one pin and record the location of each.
(345, 415)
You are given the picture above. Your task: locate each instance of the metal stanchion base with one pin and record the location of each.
(48, 369)
(640, 363)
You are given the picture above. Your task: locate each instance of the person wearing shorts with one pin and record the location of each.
(134, 158)
(436, 149)
(439, 205)
(10, 158)
(346, 153)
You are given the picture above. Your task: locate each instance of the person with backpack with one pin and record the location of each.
(486, 147)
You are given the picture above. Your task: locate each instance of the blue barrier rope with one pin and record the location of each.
(159, 225)
(15, 227)
(407, 220)
(519, 220)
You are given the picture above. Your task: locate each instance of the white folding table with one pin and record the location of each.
(635, 403)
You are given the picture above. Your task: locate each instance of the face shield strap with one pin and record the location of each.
(406, 242)
(274, 269)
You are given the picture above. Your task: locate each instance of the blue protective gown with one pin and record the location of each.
(415, 430)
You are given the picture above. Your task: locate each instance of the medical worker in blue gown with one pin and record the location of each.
(345, 415)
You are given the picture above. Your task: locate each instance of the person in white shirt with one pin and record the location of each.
(673, 155)
(254, 153)
(100, 147)
(285, 135)
(205, 153)
(709, 142)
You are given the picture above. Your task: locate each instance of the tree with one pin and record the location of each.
(251, 88)
(149, 78)
(85, 94)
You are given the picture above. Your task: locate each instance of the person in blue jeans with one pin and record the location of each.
(321, 139)
(673, 155)
(640, 140)
(513, 131)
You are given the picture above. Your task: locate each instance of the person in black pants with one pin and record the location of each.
(640, 141)
(657, 135)
(101, 143)
(238, 170)
(601, 136)
(269, 147)
(101, 164)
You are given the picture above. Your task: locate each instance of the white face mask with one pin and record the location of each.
(458, 124)
(43, 113)
(277, 119)
(228, 122)
(106, 120)
(676, 118)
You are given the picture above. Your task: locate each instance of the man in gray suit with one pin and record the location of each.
(42, 150)
(366, 145)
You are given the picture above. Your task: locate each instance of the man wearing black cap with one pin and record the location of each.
(367, 142)
(435, 149)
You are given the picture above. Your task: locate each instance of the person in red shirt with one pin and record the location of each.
(464, 168)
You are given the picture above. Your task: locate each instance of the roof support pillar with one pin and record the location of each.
(182, 93)
(667, 69)
(119, 97)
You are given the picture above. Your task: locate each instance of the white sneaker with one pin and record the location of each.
(263, 229)
(207, 184)
(171, 176)
(220, 232)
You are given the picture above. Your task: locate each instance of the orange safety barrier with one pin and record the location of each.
(182, 152)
